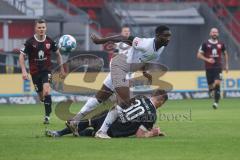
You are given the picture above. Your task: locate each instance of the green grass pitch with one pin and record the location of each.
(194, 132)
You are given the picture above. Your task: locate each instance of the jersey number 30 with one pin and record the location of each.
(134, 111)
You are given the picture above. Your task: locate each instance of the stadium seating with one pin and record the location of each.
(88, 3)
(62, 6)
(21, 29)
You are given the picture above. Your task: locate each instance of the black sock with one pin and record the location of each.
(210, 90)
(64, 131)
(217, 93)
(48, 105)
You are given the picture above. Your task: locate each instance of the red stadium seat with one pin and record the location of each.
(106, 31)
(21, 29)
(233, 3)
(234, 29)
(222, 13)
(88, 3)
(92, 14)
(237, 15)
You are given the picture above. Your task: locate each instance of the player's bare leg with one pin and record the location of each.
(217, 93)
(123, 96)
(102, 95)
(123, 99)
(119, 70)
(47, 102)
(40, 96)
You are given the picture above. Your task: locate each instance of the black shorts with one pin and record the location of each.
(213, 74)
(40, 79)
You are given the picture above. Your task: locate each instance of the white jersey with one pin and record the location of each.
(143, 50)
(122, 48)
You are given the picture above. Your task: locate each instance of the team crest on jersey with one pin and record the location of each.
(209, 46)
(219, 46)
(48, 45)
(136, 41)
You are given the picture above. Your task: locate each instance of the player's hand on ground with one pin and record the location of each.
(95, 39)
(25, 76)
(210, 60)
(156, 131)
(162, 134)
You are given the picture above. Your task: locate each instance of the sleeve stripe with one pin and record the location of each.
(143, 128)
(22, 53)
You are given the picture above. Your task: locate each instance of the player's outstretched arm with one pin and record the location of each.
(60, 62)
(23, 67)
(115, 39)
(148, 76)
(226, 66)
(144, 133)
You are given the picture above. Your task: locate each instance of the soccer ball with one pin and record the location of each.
(67, 43)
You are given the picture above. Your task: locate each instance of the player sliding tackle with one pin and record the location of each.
(143, 56)
(137, 124)
(211, 53)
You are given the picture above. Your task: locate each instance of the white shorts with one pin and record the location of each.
(108, 80)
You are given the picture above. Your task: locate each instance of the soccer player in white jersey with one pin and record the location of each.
(106, 90)
(143, 51)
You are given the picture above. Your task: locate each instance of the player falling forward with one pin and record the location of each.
(211, 53)
(38, 49)
(138, 119)
(140, 57)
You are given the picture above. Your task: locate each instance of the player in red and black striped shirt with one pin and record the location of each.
(38, 49)
(211, 52)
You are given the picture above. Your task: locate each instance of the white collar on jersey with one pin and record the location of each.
(38, 39)
(152, 103)
(212, 41)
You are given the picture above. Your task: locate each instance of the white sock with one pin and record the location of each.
(90, 105)
(119, 109)
(47, 117)
(111, 117)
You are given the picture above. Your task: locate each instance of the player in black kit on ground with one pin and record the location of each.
(38, 49)
(137, 120)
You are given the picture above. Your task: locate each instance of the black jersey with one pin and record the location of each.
(215, 51)
(141, 112)
(39, 54)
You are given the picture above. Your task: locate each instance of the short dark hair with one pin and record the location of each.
(40, 21)
(161, 29)
(160, 92)
(125, 26)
